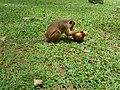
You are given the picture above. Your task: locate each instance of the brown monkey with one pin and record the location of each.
(56, 29)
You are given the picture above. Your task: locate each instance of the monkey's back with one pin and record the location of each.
(55, 30)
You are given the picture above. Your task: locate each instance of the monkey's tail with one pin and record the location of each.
(32, 41)
(36, 41)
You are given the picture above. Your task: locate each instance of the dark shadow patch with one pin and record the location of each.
(69, 40)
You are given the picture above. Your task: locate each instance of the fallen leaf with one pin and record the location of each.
(37, 82)
(86, 51)
(32, 18)
(3, 38)
(26, 18)
(91, 61)
(23, 30)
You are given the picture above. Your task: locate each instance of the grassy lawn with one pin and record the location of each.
(93, 64)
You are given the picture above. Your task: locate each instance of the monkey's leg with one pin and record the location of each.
(55, 36)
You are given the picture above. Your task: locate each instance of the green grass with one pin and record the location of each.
(66, 64)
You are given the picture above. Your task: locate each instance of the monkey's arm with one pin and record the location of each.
(71, 32)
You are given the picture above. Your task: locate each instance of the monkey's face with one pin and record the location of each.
(71, 24)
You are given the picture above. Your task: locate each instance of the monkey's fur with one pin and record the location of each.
(56, 29)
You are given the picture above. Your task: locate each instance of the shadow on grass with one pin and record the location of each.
(69, 40)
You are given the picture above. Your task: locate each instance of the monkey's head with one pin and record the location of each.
(71, 24)
(66, 24)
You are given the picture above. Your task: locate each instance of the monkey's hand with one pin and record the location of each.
(70, 33)
(81, 31)
(73, 29)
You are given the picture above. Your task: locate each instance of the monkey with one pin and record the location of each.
(57, 28)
